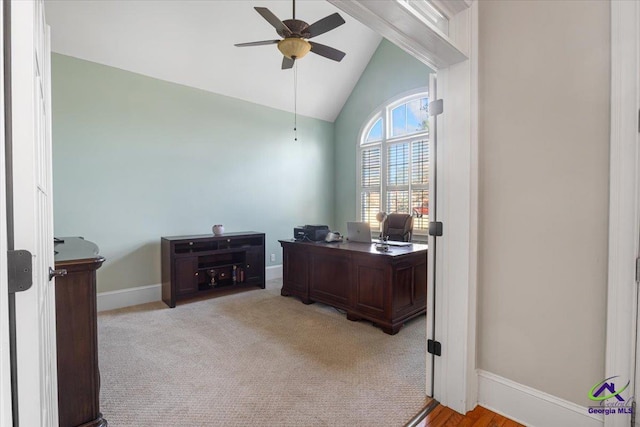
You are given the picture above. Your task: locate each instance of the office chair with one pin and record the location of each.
(398, 227)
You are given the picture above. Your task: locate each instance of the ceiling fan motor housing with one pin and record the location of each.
(296, 27)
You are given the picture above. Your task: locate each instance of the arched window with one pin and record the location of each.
(393, 162)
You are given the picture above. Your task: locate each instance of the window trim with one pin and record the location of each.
(384, 111)
(369, 127)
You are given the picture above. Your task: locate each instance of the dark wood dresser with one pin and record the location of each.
(77, 333)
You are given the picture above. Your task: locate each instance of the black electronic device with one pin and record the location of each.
(311, 232)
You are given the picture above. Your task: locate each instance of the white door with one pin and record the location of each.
(623, 312)
(33, 215)
(635, 35)
(6, 418)
(431, 269)
(636, 380)
(636, 373)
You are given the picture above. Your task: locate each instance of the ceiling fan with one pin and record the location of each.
(295, 33)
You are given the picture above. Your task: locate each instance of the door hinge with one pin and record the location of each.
(434, 347)
(633, 414)
(638, 270)
(436, 107)
(435, 228)
(19, 270)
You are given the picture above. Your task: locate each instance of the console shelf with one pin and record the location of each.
(204, 264)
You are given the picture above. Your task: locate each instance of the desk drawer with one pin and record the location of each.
(372, 286)
(330, 277)
(295, 271)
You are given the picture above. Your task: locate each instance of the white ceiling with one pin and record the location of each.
(191, 43)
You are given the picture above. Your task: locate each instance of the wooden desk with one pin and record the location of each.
(77, 334)
(387, 288)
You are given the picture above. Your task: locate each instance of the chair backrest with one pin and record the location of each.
(398, 227)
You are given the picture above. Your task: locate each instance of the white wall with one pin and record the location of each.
(543, 193)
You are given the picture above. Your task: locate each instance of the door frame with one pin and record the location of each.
(624, 199)
(454, 58)
(6, 399)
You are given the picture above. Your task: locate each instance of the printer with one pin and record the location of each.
(315, 233)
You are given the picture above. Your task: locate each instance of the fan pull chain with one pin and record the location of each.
(295, 101)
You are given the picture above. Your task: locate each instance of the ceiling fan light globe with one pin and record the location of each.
(294, 47)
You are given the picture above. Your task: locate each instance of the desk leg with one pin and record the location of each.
(391, 330)
(387, 329)
(304, 300)
(353, 317)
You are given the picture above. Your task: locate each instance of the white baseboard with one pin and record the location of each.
(128, 297)
(273, 272)
(144, 294)
(529, 406)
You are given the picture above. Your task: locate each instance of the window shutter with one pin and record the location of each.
(420, 163)
(398, 164)
(371, 167)
(370, 207)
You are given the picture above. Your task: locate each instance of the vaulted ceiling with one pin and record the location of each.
(192, 43)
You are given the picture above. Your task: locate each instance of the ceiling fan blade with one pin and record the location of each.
(327, 52)
(273, 20)
(257, 43)
(325, 24)
(287, 63)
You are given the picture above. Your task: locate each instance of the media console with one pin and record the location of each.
(387, 288)
(207, 264)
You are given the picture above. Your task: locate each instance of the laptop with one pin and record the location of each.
(358, 232)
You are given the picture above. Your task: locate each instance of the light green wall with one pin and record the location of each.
(390, 73)
(137, 158)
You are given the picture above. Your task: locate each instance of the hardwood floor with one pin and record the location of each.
(442, 416)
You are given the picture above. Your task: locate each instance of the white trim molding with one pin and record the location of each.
(151, 293)
(406, 29)
(455, 378)
(451, 8)
(273, 272)
(529, 406)
(6, 411)
(623, 196)
(472, 290)
(129, 297)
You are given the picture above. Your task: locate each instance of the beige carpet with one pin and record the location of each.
(256, 359)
